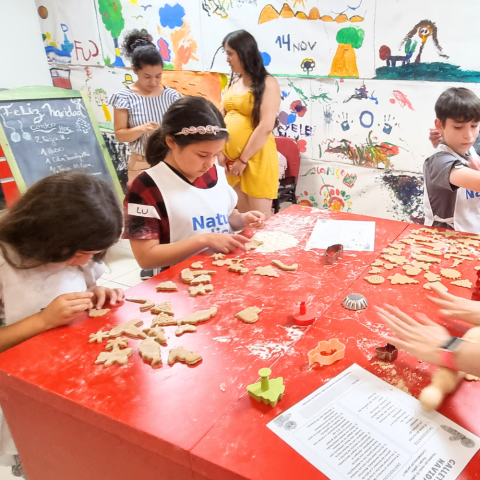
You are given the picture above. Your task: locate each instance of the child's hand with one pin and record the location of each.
(65, 308)
(225, 242)
(100, 294)
(456, 307)
(253, 219)
(435, 137)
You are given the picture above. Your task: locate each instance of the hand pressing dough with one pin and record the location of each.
(375, 279)
(218, 256)
(200, 290)
(267, 271)
(116, 356)
(222, 263)
(183, 355)
(165, 307)
(377, 263)
(425, 258)
(249, 315)
(185, 329)
(375, 270)
(389, 266)
(196, 265)
(162, 319)
(398, 279)
(432, 277)
(396, 259)
(238, 268)
(423, 265)
(449, 273)
(98, 337)
(253, 244)
(197, 317)
(119, 342)
(440, 286)
(167, 287)
(287, 268)
(201, 279)
(462, 283)
(408, 241)
(94, 313)
(412, 270)
(158, 333)
(128, 328)
(149, 350)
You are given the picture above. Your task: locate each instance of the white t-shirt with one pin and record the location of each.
(25, 292)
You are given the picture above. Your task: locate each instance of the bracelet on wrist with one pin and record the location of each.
(245, 163)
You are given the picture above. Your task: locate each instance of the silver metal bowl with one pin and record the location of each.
(355, 301)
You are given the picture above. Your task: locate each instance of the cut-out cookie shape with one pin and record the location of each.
(428, 251)
(145, 303)
(469, 242)
(119, 342)
(149, 350)
(200, 289)
(375, 279)
(456, 262)
(181, 329)
(165, 307)
(389, 266)
(463, 283)
(116, 356)
(218, 256)
(412, 270)
(267, 271)
(421, 237)
(201, 279)
(253, 244)
(327, 352)
(188, 275)
(425, 258)
(452, 255)
(181, 354)
(158, 333)
(450, 233)
(399, 279)
(162, 319)
(286, 268)
(249, 315)
(408, 241)
(432, 277)
(267, 390)
(450, 273)
(98, 337)
(94, 313)
(392, 251)
(423, 265)
(196, 265)
(440, 286)
(128, 328)
(398, 246)
(396, 259)
(197, 317)
(375, 270)
(238, 268)
(377, 263)
(166, 287)
(222, 263)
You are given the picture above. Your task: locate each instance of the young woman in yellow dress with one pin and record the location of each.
(250, 106)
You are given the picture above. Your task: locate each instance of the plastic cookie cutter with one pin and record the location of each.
(305, 317)
(327, 352)
(333, 253)
(267, 390)
(388, 353)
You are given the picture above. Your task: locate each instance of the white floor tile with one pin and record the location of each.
(131, 278)
(6, 474)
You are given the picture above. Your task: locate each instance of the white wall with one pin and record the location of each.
(22, 56)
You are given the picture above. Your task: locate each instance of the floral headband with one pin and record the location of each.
(201, 130)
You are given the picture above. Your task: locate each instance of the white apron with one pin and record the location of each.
(466, 216)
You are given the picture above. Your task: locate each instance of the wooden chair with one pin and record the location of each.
(286, 189)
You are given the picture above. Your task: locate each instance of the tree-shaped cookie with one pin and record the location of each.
(98, 337)
(162, 319)
(119, 342)
(197, 317)
(267, 271)
(181, 354)
(149, 350)
(165, 307)
(185, 329)
(158, 333)
(116, 356)
(166, 287)
(129, 328)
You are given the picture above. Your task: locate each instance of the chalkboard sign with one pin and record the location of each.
(45, 130)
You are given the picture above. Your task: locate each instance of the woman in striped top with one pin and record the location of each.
(139, 108)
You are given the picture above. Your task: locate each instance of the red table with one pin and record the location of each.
(72, 419)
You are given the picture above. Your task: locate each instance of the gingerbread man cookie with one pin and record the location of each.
(98, 337)
(119, 342)
(158, 333)
(218, 256)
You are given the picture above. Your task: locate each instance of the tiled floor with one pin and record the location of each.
(5, 474)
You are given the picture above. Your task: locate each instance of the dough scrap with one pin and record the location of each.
(412, 270)
(253, 244)
(119, 342)
(249, 315)
(238, 268)
(162, 319)
(200, 289)
(116, 356)
(94, 313)
(165, 307)
(197, 317)
(377, 263)
(201, 279)
(389, 266)
(432, 277)
(463, 283)
(158, 333)
(183, 355)
(166, 287)
(440, 286)
(425, 258)
(287, 268)
(181, 329)
(222, 263)
(396, 259)
(98, 337)
(399, 279)
(408, 241)
(218, 256)
(450, 273)
(375, 270)
(149, 350)
(375, 279)
(196, 265)
(128, 328)
(267, 271)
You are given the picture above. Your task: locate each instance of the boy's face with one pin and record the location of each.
(459, 136)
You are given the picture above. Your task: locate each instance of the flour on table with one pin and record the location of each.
(267, 349)
(274, 241)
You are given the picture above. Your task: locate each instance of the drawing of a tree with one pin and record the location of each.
(344, 62)
(112, 18)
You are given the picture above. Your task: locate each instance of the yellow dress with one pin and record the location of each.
(260, 177)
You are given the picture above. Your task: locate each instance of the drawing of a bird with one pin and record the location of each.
(145, 7)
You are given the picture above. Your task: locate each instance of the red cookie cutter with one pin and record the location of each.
(333, 253)
(323, 353)
(305, 317)
(389, 352)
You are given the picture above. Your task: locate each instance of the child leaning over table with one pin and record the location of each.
(51, 245)
(451, 184)
(183, 204)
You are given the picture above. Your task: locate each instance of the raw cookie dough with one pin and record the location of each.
(375, 270)
(421, 237)
(408, 241)
(162, 319)
(201, 279)
(94, 313)
(377, 263)
(375, 279)
(399, 279)
(432, 277)
(412, 270)
(463, 257)
(183, 355)
(200, 290)
(469, 242)
(196, 265)
(423, 265)
(392, 251)
(188, 275)
(165, 307)
(222, 263)
(146, 304)
(425, 258)
(119, 342)
(249, 315)
(440, 286)
(197, 317)
(396, 259)
(389, 266)
(98, 337)
(181, 329)
(274, 241)
(450, 273)
(158, 333)
(428, 251)
(167, 287)
(149, 350)
(238, 268)
(253, 244)
(128, 328)
(116, 356)
(462, 283)
(398, 246)
(456, 262)
(287, 268)
(267, 271)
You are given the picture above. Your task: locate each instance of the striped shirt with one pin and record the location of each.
(142, 110)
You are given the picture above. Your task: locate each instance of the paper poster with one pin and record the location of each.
(358, 426)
